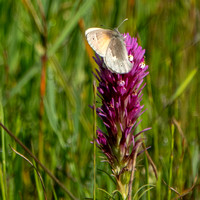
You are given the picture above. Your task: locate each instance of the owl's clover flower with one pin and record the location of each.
(121, 96)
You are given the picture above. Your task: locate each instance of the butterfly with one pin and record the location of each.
(110, 44)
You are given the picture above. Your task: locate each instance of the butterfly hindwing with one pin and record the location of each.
(116, 58)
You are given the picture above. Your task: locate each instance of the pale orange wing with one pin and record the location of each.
(99, 39)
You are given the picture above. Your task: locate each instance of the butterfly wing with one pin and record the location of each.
(116, 58)
(99, 39)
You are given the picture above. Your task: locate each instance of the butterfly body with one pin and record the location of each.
(110, 45)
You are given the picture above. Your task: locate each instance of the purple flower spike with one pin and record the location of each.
(121, 96)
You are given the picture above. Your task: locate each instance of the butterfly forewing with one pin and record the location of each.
(99, 39)
(116, 58)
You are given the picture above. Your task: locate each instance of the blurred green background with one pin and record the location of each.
(56, 123)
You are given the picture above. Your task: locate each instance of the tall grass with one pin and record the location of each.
(170, 33)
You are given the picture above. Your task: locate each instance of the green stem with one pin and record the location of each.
(94, 136)
(122, 188)
(2, 184)
(4, 189)
(147, 176)
(171, 162)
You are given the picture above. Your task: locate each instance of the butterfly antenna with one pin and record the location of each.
(122, 22)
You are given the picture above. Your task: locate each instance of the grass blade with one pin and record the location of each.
(148, 189)
(146, 185)
(36, 171)
(3, 172)
(70, 25)
(3, 190)
(24, 80)
(183, 86)
(171, 162)
(63, 80)
(53, 122)
(33, 13)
